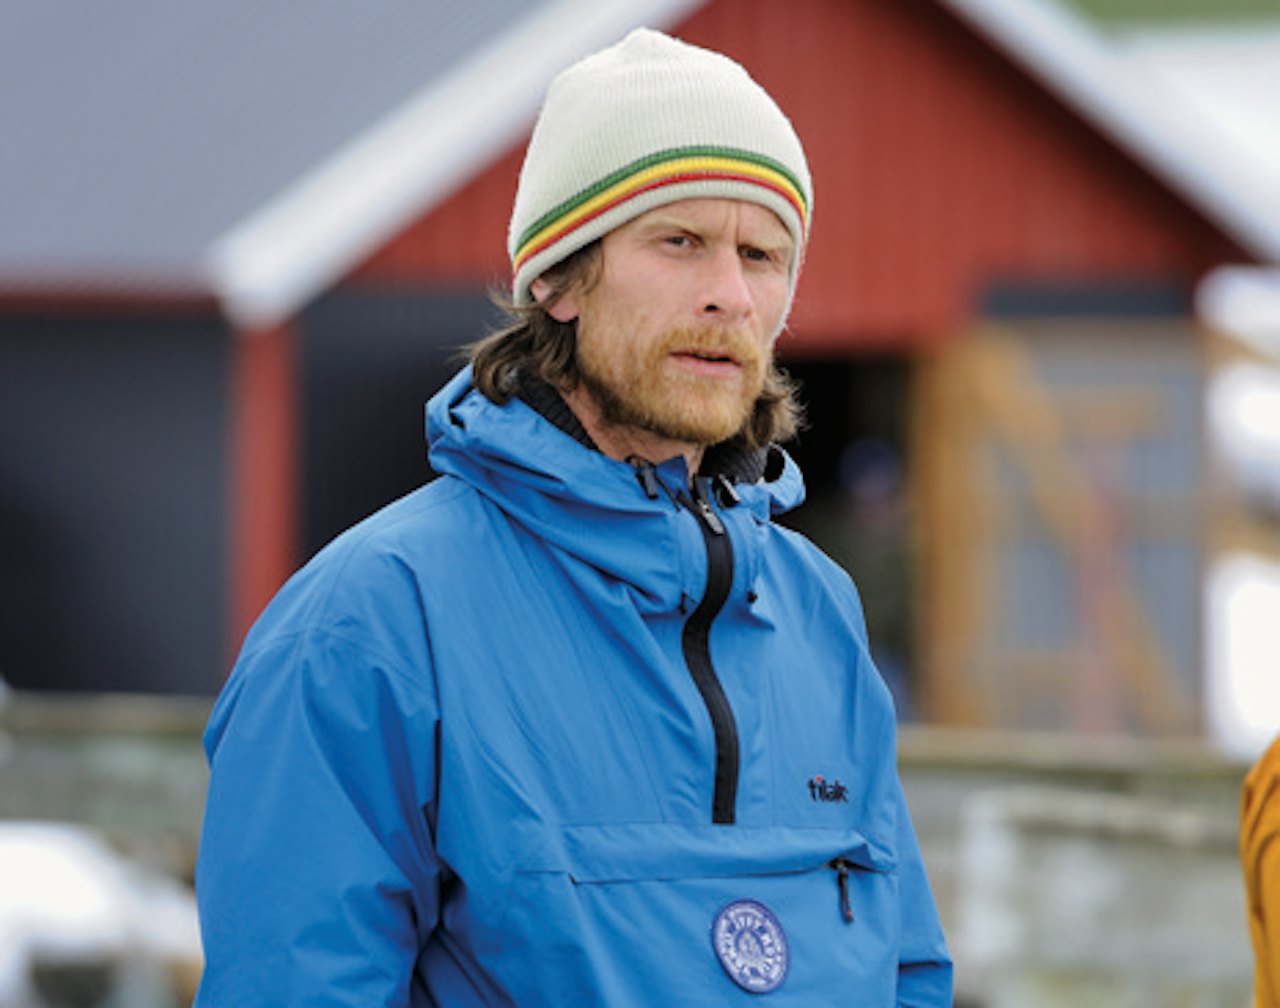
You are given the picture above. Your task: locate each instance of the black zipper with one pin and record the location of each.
(841, 866)
(696, 641)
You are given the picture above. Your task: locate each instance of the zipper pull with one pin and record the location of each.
(704, 507)
(645, 476)
(726, 494)
(842, 881)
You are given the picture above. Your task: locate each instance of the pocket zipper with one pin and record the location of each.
(841, 866)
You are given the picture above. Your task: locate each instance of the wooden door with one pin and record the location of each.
(1058, 469)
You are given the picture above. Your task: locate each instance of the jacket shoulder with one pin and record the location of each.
(365, 584)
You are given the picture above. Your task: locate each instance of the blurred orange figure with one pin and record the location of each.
(1260, 855)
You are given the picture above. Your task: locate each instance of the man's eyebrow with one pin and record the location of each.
(777, 242)
(666, 222)
(774, 241)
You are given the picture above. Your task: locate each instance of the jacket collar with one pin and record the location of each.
(731, 459)
(537, 469)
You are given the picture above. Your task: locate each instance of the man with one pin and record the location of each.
(576, 724)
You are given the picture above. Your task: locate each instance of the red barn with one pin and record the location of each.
(302, 213)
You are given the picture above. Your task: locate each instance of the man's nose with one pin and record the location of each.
(725, 295)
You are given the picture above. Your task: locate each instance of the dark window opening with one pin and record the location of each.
(853, 453)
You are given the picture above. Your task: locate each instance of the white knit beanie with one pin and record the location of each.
(648, 121)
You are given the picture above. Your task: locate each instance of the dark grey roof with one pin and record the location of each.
(134, 133)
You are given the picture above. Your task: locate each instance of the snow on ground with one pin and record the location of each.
(67, 897)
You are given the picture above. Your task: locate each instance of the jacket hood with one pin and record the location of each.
(575, 497)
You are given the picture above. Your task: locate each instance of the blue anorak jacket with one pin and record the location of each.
(558, 730)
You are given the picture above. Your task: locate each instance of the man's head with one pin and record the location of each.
(657, 233)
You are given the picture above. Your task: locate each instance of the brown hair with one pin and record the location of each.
(535, 343)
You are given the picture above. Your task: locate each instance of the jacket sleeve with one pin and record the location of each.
(317, 880)
(924, 968)
(1260, 858)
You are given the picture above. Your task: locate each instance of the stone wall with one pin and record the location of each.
(1083, 871)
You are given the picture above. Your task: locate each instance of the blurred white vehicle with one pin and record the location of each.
(82, 926)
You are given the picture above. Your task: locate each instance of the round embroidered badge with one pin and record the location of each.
(751, 946)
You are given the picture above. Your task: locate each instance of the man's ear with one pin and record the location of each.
(565, 308)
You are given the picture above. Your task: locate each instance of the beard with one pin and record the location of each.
(634, 384)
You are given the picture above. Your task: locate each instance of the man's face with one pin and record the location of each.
(676, 334)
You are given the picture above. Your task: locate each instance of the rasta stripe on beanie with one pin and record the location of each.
(646, 122)
(670, 167)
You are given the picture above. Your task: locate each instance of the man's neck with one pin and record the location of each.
(622, 442)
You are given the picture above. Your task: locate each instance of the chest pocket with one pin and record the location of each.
(628, 914)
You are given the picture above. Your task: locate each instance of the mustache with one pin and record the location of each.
(735, 344)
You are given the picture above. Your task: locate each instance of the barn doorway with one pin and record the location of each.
(853, 453)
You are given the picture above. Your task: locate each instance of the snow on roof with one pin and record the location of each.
(1228, 81)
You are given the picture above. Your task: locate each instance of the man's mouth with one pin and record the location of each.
(710, 356)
